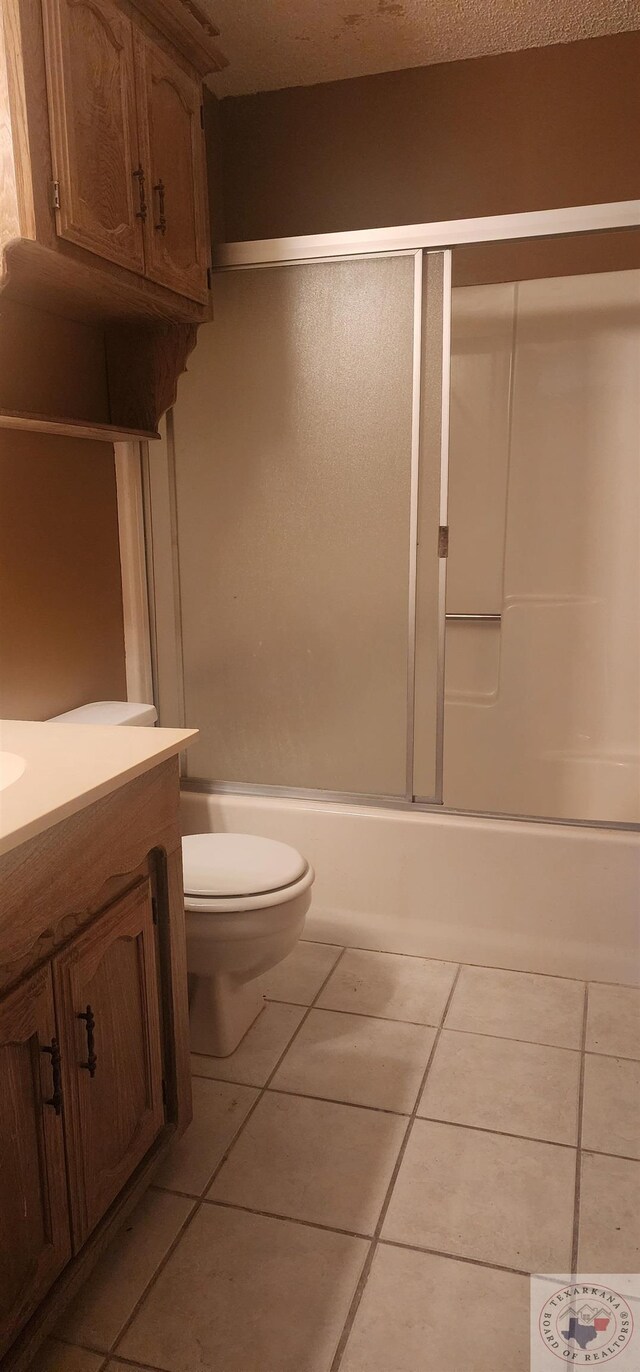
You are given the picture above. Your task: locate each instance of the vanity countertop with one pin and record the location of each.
(50, 771)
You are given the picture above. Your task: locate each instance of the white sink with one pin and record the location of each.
(11, 767)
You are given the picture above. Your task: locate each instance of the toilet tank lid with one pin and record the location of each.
(238, 865)
(109, 712)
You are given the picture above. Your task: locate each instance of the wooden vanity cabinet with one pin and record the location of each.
(94, 1046)
(35, 1240)
(108, 1008)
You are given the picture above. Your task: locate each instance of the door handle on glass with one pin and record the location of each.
(161, 225)
(139, 176)
(54, 1053)
(89, 1019)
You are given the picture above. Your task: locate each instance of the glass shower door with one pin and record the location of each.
(296, 479)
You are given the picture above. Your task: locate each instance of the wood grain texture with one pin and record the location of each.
(9, 210)
(92, 112)
(189, 29)
(93, 261)
(50, 886)
(74, 283)
(172, 148)
(26, 115)
(135, 974)
(133, 566)
(175, 1006)
(144, 365)
(114, 1112)
(72, 428)
(34, 1221)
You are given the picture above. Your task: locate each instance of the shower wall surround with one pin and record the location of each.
(305, 530)
(542, 708)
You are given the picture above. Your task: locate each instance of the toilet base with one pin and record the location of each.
(221, 1009)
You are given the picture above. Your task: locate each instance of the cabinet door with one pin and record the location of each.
(92, 114)
(109, 1018)
(34, 1216)
(173, 153)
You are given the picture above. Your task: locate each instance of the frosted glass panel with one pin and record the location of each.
(427, 624)
(293, 486)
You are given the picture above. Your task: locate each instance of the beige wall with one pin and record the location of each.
(537, 129)
(61, 634)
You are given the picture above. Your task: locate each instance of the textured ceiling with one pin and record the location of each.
(275, 43)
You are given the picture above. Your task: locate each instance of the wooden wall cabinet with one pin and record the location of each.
(93, 123)
(172, 149)
(94, 1051)
(129, 162)
(103, 200)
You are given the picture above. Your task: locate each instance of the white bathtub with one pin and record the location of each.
(505, 893)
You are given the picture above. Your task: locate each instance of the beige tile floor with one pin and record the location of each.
(395, 1136)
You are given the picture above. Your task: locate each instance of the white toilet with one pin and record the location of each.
(246, 899)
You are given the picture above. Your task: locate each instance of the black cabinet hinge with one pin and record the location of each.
(154, 909)
(164, 1091)
(208, 278)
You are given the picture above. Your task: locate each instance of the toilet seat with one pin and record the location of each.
(224, 873)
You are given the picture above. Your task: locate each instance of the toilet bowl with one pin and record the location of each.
(246, 899)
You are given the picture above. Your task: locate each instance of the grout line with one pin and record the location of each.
(508, 1038)
(484, 966)
(337, 1100)
(576, 1203)
(365, 1014)
(609, 1057)
(84, 1348)
(200, 1201)
(306, 1095)
(216, 1202)
(376, 1239)
(496, 1133)
(368, 1262)
(455, 1257)
(418, 1024)
(128, 1362)
(163, 1262)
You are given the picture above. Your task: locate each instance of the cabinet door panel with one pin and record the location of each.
(34, 1218)
(172, 139)
(108, 1009)
(91, 88)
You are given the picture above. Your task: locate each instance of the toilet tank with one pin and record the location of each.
(109, 712)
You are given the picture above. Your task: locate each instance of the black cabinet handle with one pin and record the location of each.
(89, 1019)
(54, 1053)
(161, 225)
(139, 176)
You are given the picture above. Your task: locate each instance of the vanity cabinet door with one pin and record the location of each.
(34, 1218)
(94, 137)
(173, 153)
(109, 1016)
